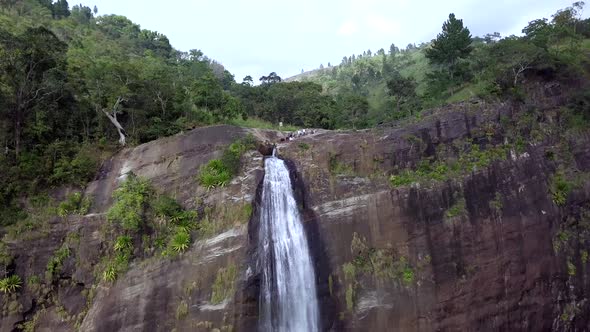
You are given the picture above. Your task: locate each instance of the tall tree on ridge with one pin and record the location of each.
(451, 45)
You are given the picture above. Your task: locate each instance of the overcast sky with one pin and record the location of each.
(256, 37)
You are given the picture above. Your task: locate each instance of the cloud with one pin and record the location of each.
(348, 28)
(382, 25)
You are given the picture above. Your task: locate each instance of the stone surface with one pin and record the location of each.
(491, 268)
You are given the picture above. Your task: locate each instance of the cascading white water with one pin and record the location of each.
(288, 300)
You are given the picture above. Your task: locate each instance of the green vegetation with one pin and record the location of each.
(349, 297)
(123, 244)
(560, 188)
(55, 263)
(223, 217)
(10, 284)
(338, 167)
(454, 67)
(254, 122)
(130, 203)
(303, 146)
(180, 242)
(58, 58)
(182, 310)
(218, 172)
(224, 284)
(470, 159)
(457, 209)
(496, 204)
(74, 204)
(139, 212)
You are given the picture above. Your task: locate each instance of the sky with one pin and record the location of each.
(256, 37)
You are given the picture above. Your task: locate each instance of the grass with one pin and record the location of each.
(224, 284)
(349, 297)
(182, 310)
(224, 217)
(253, 122)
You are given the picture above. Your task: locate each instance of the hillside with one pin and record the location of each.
(444, 187)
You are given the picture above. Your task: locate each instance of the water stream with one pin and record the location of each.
(288, 300)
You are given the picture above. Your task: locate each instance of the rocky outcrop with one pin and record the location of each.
(492, 237)
(475, 252)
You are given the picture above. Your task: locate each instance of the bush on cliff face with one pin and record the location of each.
(10, 284)
(140, 212)
(74, 204)
(130, 203)
(218, 172)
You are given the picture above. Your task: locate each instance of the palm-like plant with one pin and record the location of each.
(181, 241)
(124, 243)
(110, 274)
(10, 284)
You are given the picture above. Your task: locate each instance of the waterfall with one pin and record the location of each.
(288, 300)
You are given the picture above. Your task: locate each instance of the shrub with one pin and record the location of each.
(457, 209)
(214, 174)
(218, 172)
(124, 244)
(110, 274)
(10, 284)
(55, 263)
(74, 204)
(180, 241)
(78, 169)
(130, 201)
(560, 188)
(166, 206)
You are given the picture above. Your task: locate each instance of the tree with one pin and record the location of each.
(247, 80)
(403, 90)
(513, 56)
(353, 111)
(393, 50)
(95, 10)
(61, 9)
(450, 46)
(538, 32)
(270, 79)
(453, 44)
(105, 77)
(32, 65)
(82, 14)
(207, 92)
(491, 38)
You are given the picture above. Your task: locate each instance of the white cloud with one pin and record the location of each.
(348, 28)
(382, 25)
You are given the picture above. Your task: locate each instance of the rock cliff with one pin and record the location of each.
(475, 216)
